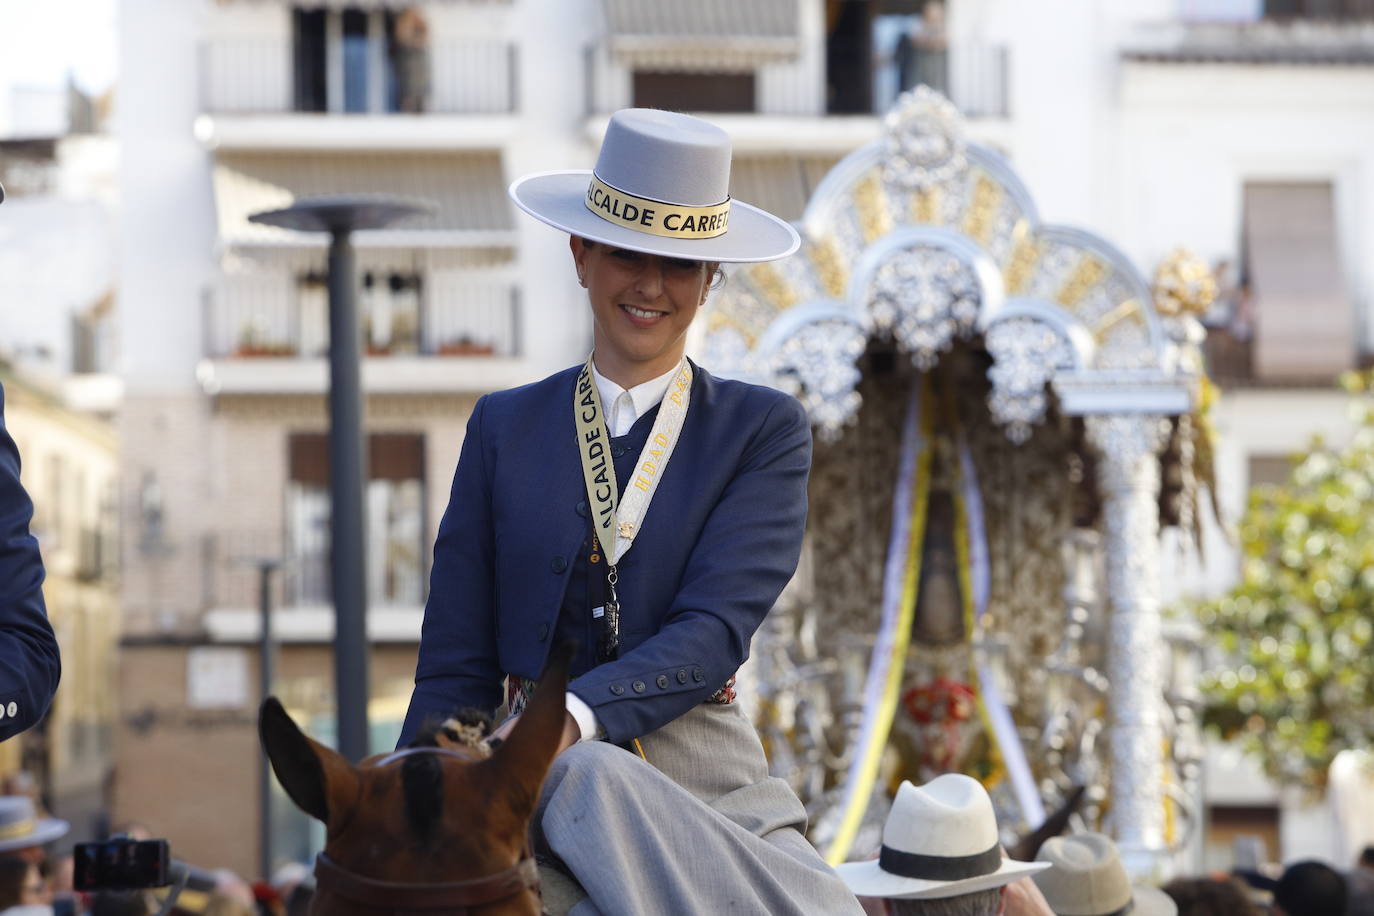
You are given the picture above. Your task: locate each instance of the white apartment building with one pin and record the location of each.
(1155, 123)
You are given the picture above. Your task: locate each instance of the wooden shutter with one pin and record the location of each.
(1304, 320)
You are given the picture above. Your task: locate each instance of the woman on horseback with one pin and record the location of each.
(651, 514)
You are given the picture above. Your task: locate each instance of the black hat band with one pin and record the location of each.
(939, 868)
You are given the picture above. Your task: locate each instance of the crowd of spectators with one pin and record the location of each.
(35, 883)
(935, 860)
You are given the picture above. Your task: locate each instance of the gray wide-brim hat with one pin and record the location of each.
(1086, 878)
(662, 186)
(20, 826)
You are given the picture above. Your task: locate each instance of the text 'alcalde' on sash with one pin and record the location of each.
(617, 521)
(654, 216)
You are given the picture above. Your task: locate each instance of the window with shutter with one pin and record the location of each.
(1304, 319)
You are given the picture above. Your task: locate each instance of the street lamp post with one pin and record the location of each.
(340, 216)
(266, 675)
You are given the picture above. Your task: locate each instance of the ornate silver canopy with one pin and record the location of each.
(924, 237)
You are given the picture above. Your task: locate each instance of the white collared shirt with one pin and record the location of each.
(623, 407)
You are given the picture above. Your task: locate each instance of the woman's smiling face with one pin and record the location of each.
(642, 305)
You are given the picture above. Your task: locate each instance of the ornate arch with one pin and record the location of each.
(926, 237)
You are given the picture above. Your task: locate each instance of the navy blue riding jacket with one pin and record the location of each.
(720, 540)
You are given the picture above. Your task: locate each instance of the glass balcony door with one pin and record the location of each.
(345, 61)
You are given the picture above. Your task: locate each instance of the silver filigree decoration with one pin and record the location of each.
(925, 297)
(924, 140)
(725, 352)
(1025, 354)
(818, 366)
(1128, 476)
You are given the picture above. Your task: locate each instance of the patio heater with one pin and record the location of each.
(341, 216)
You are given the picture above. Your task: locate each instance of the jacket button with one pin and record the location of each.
(543, 632)
(663, 682)
(582, 508)
(638, 686)
(617, 450)
(698, 675)
(558, 564)
(682, 675)
(617, 689)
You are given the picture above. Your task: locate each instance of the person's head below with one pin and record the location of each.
(1087, 878)
(649, 227)
(21, 883)
(1366, 860)
(940, 854)
(120, 903)
(1209, 897)
(978, 903)
(1310, 889)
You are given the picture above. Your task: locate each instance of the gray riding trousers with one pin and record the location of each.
(701, 828)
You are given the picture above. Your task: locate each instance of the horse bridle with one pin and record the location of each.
(455, 897)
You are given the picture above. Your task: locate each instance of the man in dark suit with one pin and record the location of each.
(29, 662)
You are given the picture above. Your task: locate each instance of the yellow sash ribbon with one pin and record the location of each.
(616, 522)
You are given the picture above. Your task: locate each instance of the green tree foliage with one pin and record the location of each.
(1295, 672)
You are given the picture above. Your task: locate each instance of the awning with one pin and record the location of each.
(1304, 319)
(782, 185)
(702, 34)
(467, 190)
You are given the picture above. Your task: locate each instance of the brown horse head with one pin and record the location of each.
(440, 827)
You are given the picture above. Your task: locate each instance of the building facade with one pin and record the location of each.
(70, 470)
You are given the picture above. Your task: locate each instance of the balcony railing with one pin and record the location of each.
(250, 316)
(230, 579)
(255, 76)
(1229, 357)
(974, 77)
(229, 562)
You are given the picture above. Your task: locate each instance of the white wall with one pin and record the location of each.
(1257, 421)
(57, 255)
(167, 229)
(1192, 135)
(556, 317)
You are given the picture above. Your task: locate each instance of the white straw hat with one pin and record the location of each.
(940, 840)
(662, 186)
(1088, 879)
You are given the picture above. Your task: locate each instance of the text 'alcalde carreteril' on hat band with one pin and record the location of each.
(656, 217)
(939, 868)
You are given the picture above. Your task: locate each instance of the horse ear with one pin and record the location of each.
(523, 759)
(310, 773)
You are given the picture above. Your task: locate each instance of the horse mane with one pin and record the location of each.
(422, 775)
